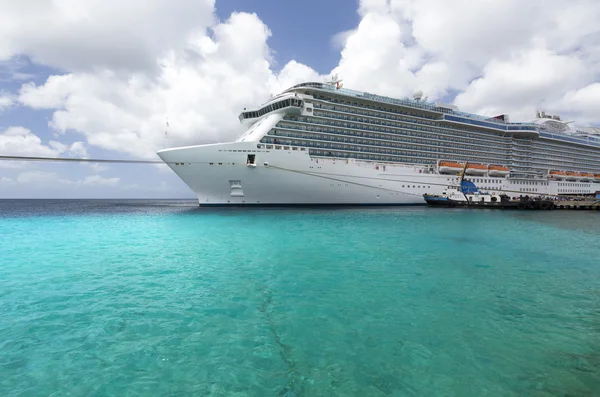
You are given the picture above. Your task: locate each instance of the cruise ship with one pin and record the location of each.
(318, 143)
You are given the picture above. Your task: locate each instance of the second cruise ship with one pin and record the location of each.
(318, 143)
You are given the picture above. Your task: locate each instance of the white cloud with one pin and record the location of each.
(36, 178)
(583, 103)
(6, 101)
(41, 178)
(499, 55)
(338, 41)
(522, 83)
(78, 149)
(6, 181)
(200, 91)
(97, 167)
(97, 34)
(19, 141)
(11, 70)
(97, 180)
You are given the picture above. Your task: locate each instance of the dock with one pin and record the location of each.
(577, 205)
(544, 205)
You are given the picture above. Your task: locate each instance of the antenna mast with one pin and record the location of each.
(166, 132)
(335, 81)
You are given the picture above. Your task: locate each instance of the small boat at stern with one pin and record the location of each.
(467, 195)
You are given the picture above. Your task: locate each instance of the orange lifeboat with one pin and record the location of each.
(476, 169)
(557, 174)
(572, 176)
(498, 170)
(586, 176)
(450, 167)
(596, 177)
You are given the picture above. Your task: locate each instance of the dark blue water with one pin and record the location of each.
(140, 298)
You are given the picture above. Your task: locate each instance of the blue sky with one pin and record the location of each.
(99, 80)
(302, 31)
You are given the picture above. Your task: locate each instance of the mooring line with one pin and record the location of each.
(75, 160)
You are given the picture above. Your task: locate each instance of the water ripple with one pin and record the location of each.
(137, 299)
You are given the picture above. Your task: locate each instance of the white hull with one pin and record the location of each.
(292, 177)
(218, 174)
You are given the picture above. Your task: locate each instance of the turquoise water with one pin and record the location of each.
(161, 298)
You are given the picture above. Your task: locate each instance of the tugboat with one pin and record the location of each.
(468, 195)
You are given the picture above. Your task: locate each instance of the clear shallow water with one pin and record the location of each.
(142, 298)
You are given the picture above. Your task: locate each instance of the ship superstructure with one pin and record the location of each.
(320, 143)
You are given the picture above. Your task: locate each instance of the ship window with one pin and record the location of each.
(251, 159)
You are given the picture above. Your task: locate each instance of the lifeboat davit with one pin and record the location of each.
(476, 169)
(498, 170)
(572, 176)
(586, 177)
(450, 167)
(557, 174)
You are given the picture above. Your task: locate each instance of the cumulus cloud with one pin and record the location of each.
(97, 167)
(582, 103)
(97, 180)
(41, 178)
(20, 141)
(522, 82)
(200, 91)
(497, 56)
(6, 180)
(6, 101)
(12, 69)
(88, 35)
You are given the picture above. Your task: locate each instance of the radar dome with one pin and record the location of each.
(418, 95)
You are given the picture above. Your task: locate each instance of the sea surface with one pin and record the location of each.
(161, 298)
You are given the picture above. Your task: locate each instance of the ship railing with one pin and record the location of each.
(427, 126)
(370, 163)
(473, 147)
(430, 106)
(414, 128)
(327, 146)
(564, 137)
